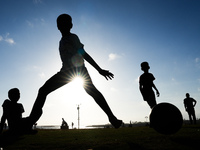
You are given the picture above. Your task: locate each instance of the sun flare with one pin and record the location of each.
(77, 82)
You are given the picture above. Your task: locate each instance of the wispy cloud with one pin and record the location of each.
(113, 89)
(113, 56)
(30, 24)
(37, 70)
(10, 41)
(173, 79)
(37, 1)
(35, 22)
(7, 39)
(42, 75)
(197, 60)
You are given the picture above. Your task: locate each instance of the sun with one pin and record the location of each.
(77, 82)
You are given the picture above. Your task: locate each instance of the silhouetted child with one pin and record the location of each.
(146, 85)
(12, 111)
(72, 55)
(64, 123)
(189, 104)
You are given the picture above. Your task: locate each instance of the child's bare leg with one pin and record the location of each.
(100, 100)
(52, 84)
(37, 107)
(152, 103)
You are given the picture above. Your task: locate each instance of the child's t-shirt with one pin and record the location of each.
(189, 103)
(13, 111)
(146, 80)
(71, 50)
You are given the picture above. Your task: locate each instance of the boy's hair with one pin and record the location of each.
(187, 95)
(14, 94)
(145, 65)
(64, 21)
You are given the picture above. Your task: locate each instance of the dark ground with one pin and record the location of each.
(137, 138)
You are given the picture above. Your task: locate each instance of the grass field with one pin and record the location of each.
(137, 138)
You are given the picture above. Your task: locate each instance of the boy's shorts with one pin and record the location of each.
(63, 77)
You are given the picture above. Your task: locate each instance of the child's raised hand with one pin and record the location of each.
(157, 93)
(106, 74)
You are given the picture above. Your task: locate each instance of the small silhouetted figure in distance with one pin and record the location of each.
(146, 85)
(72, 125)
(64, 124)
(130, 124)
(189, 104)
(72, 55)
(35, 126)
(12, 111)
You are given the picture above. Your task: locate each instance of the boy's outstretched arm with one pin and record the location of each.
(105, 73)
(3, 120)
(157, 92)
(185, 106)
(195, 102)
(140, 87)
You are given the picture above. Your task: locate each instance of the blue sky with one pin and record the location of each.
(119, 35)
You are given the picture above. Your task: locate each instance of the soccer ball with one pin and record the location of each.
(166, 118)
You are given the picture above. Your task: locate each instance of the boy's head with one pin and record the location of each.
(187, 95)
(145, 66)
(64, 22)
(14, 94)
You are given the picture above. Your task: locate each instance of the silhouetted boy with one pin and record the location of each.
(12, 111)
(72, 55)
(146, 85)
(189, 104)
(64, 124)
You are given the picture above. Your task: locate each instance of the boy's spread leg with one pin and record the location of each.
(152, 103)
(99, 98)
(52, 84)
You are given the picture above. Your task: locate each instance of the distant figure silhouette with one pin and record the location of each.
(146, 84)
(64, 124)
(12, 111)
(189, 104)
(72, 55)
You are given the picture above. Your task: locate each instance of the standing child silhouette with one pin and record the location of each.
(189, 104)
(146, 84)
(72, 55)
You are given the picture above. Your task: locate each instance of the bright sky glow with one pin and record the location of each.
(78, 82)
(119, 35)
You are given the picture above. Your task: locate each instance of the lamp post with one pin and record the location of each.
(78, 116)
